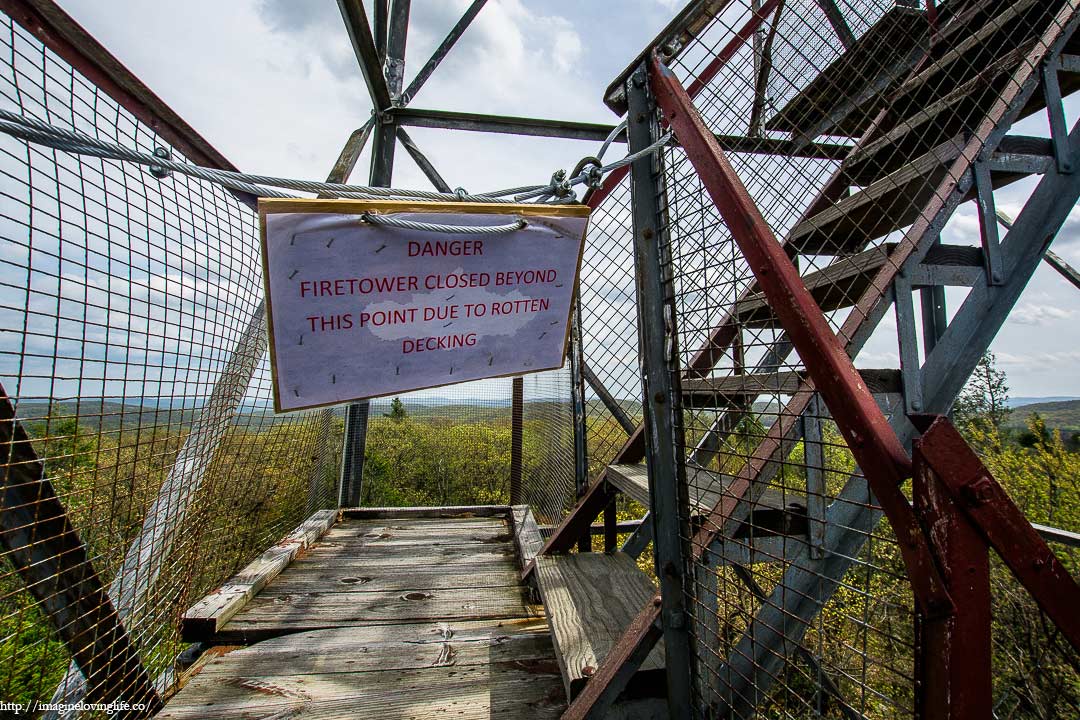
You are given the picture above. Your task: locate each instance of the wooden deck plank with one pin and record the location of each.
(424, 523)
(409, 555)
(337, 609)
(450, 511)
(374, 534)
(307, 654)
(477, 692)
(208, 615)
(527, 538)
(415, 633)
(590, 599)
(387, 617)
(306, 580)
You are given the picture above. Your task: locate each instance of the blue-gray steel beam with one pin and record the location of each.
(640, 538)
(836, 20)
(662, 397)
(807, 584)
(1055, 112)
(437, 181)
(356, 22)
(934, 317)
(396, 39)
(1053, 534)
(814, 461)
(986, 307)
(757, 658)
(608, 399)
(1051, 258)
(1067, 271)
(988, 226)
(382, 20)
(904, 307)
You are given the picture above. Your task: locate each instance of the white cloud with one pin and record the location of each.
(1038, 314)
(1037, 361)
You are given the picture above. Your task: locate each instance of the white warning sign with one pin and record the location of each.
(358, 309)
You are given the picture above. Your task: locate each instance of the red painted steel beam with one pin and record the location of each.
(873, 442)
(953, 656)
(578, 523)
(743, 36)
(1004, 526)
(60, 33)
(708, 73)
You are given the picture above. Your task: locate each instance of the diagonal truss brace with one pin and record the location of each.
(987, 506)
(873, 442)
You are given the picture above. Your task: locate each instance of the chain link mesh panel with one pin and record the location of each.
(449, 446)
(133, 347)
(857, 129)
(609, 338)
(548, 445)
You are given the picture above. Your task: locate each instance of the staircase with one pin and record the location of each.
(929, 130)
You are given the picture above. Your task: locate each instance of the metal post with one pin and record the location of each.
(934, 318)
(953, 676)
(382, 170)
(577, 391)
(662, 398)
(909, 346)
(814, 459)
(517, 409)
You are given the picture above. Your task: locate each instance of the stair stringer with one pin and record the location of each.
(774, 635)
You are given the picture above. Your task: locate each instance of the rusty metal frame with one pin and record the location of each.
(965, 513)
(755, 660)
(873, 442)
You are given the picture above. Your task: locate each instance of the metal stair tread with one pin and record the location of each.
(894, 201)
(841, 283)
(751, 385)
(776, 512)
(883, 45)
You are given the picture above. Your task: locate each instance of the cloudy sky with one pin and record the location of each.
(273, 84)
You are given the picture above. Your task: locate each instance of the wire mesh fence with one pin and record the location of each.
(857, 129)
(549, 486)
(455, 446)
(609, 323)
(133, 349)
(449, 446)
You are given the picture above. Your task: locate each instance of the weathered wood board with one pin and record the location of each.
(476, 692)
(344, 580)
(590, 598)
(408, 629)
(208, 615)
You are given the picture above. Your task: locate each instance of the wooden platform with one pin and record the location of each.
(387, 617)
